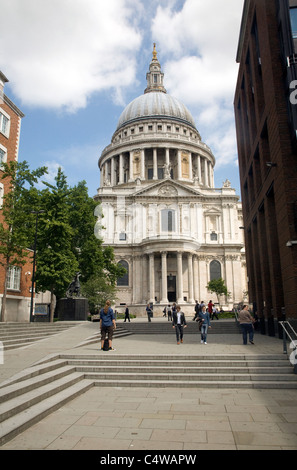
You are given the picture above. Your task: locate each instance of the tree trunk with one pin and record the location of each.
(52, 307)
(3, 307)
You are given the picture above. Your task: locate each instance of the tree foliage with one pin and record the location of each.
(65, 239)
(218, 287)
(14, 238)
(97, 289)
(55, 260)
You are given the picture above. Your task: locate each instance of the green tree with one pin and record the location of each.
(93, 258)
(55, 260)
(218, 287)
(67, 243)
(97, 289)
(14, 239)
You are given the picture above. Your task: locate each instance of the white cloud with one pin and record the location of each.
(199, 41)
(58, 52)
(74, 160)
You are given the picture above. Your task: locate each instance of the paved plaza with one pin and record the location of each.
(148, 418)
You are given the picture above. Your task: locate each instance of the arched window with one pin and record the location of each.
(215, 270)
(168, 220)
(124, 280)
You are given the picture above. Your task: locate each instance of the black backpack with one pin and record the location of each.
(106, 345)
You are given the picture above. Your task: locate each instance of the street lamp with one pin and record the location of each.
(34, 261)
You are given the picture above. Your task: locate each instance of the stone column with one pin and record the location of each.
(164, 298)
(180, 297)
(190, 167)
(195, 277)
(205, 172)
(155, 164)
(142, 163)
(199, 169)
(167, 159)
(112, 171)
(190, 278)
(212, 176)
(152, 276)
(134, 276)
(121, 169)
(145, 293)
(179, 164)
(130, 166)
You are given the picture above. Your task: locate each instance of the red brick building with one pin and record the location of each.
(19, 278)
(266, 123)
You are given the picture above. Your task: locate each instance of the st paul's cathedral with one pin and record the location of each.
(169, 226)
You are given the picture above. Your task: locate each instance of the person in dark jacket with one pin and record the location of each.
(204, 317)
(107, 324)
(127, 315)
(179, 323)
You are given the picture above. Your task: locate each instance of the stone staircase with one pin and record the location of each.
(18, 335)
(120, 331)
(41, 389)
(161, 327)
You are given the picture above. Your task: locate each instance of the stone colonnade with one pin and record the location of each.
(153, 271)
(127, 166)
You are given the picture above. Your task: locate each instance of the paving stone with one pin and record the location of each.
(142, 417)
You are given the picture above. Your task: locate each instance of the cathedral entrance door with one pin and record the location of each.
(171, 288)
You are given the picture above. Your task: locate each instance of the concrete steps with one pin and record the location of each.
(161, 327)
(120, 331)
(18, 335)
(36, 392)
(39, 390)
(272, 371)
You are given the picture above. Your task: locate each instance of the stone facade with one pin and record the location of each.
(266, 122)
(20, 278)
(169, 226)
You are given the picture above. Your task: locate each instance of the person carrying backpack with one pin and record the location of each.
(107, 325)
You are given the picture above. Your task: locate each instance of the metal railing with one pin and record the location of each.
(289, 332)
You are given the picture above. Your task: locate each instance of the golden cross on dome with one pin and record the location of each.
(154, 52)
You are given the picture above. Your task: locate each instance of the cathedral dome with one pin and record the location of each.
(155, 104)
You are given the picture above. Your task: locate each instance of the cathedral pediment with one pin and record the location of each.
(165, 189)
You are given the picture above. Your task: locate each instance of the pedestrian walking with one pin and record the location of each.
(107, 325)
(169, 314)
(210, 307)
(149, 311)
(127, 314)
(197, 309)
(179, 323)
(214, 312)
(246, 323)
(205, 324)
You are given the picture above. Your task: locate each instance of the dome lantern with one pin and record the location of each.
(155, 76)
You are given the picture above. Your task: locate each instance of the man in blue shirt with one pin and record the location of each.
(107, 324)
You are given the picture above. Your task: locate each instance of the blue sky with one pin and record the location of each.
(73, 66)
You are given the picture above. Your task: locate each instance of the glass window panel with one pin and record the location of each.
(2, 155)
(124, 281)
(168, 220)
(215, 270)
(14, 278)
(293, 14)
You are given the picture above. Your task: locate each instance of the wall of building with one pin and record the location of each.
(267, 160)
(19, 299)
